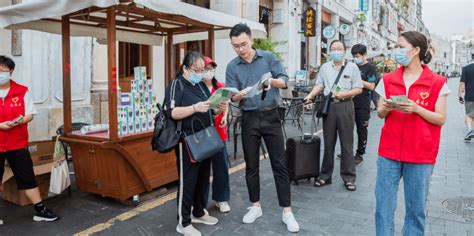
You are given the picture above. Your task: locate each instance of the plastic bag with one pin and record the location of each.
(60, 179)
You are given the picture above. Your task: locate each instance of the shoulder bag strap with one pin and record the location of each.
(209, 111)
(339, 75)
(173, 93)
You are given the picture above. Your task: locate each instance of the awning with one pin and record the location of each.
(44, 15)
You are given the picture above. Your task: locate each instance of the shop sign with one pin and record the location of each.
(364, 5)
(310, 22)
(329, 32)
(344, 29)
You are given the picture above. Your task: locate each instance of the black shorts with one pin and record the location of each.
(22, 167)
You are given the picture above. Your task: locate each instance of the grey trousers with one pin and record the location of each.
(340, 120)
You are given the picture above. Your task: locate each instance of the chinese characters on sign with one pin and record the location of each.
(310, 22)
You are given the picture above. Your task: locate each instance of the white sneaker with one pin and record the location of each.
(205, 219)
(223, 206)
(289, 219)
(188, 230)
(253, 213)
(1, 222)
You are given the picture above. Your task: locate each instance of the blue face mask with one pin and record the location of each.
(336, 55)
(195, 78)
(4, 77)
(358, 61)
(401, 56)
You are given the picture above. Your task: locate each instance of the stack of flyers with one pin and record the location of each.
(125, 99)
(395, 100)
(139, 72)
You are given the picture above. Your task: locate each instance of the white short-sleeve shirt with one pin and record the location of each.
(29, 105)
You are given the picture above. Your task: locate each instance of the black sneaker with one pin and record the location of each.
(338, 156)
(358, 159)
(45, 215)
(469, 135)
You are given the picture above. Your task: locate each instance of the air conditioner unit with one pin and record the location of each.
(278, 16)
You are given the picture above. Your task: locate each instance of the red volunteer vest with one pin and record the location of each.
(217, 121)
(11, 107)
(408, 137)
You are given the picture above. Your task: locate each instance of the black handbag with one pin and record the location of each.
(203, 144)
(167, 132)
(323, 108)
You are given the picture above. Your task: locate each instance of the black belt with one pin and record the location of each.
(335, 100)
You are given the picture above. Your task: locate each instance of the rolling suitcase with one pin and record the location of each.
(303, 155)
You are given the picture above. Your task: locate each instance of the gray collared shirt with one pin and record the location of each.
(349, 80)
(241, 74)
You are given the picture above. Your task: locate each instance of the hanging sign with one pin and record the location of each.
(310, 22)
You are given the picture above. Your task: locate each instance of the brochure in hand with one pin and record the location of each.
(257, 88)
(221, 95)
(395, 100)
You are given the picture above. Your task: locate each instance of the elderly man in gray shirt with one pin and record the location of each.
(260, 119)
(340, 117)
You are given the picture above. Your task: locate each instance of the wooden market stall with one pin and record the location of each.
(106, 163)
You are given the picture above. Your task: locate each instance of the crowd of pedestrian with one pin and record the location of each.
(408, 145)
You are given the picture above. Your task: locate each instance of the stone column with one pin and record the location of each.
(99, 100)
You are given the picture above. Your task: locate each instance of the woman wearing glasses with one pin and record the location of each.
(190, 101)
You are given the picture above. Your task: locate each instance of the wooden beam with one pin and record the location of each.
(112, 74)
(101, 20)
(164, 16)
(169, 64)
(210, 41)
(87, 11)
(66, 64)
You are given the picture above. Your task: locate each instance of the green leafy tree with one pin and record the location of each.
(268, 45)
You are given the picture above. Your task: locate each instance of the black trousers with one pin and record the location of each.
(22, 167)
(193, 186)
(255, 126)
(362, 117)
(340, 120)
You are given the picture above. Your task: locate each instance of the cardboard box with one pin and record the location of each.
(41, 152)
(12, 194)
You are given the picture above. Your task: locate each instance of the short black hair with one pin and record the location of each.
(6, 61)
(335, 41)
(238, 29)
(359, 49)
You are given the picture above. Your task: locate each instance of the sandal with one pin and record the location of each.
(350, 186)
(321, 182)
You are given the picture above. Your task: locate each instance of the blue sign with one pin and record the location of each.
(329, 32)
(364, 5)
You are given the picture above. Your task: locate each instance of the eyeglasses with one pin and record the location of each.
(4, 70)
(239, 46)
(199, 71)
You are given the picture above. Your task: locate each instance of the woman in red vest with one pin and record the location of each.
(220, 163)
(410, 137)
(16, 110)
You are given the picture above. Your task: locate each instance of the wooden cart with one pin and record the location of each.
(106, 163)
